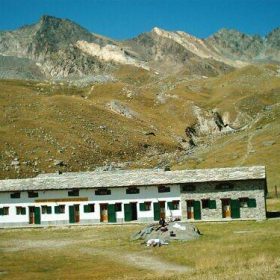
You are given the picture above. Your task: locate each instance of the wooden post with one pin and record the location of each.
(276, 192)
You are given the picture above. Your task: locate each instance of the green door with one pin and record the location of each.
(235, 208)
(112, 213)
(37, 214)
(127, 212)
(71, 214)
(156, 211)
(196, 210)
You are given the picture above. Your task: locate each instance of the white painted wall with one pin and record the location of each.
(118, 195)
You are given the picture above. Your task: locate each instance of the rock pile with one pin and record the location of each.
(171, 231)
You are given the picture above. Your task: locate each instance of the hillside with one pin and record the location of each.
(141, 120)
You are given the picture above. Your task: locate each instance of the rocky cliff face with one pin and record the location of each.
(236, 45)
(50, 44)
(61, 49)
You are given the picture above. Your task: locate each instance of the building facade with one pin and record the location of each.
(142, 196)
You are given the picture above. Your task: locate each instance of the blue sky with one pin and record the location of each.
(121, 19)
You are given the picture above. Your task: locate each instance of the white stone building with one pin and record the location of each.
(136, 195)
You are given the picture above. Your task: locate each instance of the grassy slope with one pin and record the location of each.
(40, 122)
(235, 250)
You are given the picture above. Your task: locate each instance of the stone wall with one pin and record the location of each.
(239, 189)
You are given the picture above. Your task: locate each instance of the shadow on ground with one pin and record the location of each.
(274, 214)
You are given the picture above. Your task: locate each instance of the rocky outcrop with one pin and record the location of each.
(235, 45)
(61, 49)
(121, 109)
(110, 52)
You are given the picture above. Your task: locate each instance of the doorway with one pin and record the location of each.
(104, 213)
(133, 211)
(162, 209)
(74, 213)
(130, 212)
(226, 209)
(193, 209)
(190, 212)
(34, 215)
(235, 208)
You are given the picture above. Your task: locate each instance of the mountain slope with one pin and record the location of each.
(142, 120)
(50, 44)
(236, 45)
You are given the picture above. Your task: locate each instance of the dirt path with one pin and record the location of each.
(140, 260)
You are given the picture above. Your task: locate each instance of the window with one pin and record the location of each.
(46, 209)
(33, 194)
(4, 211)
(163, 189)
(102, 192)
(187, 188)
(208, 204)
(224, 186)
(146, 206)
(74, 192)
(89, 208)
(118, 207)
(173, 205)
(59, 209)
(252, 203)
(133, 190)
(20, 210)
(15, 195)
(243, 202)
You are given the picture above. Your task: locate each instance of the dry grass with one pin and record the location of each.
(234, 250)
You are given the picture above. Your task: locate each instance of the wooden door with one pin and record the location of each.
(37, 212)
(190, 209)
(77, 213)
(226, 209)
(112, 217)
(162, 209)
(127, 212)
(235, 208)
(197, 210)
(156, 211)
(31, 215)
(104, 213)
(71, 214)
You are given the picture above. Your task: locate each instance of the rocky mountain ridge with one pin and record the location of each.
(61, 49)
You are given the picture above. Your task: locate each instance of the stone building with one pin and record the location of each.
(219, 194)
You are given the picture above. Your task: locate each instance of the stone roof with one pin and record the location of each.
(123, 178)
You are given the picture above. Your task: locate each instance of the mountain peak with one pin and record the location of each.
(156, 30)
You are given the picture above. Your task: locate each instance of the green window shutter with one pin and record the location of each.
(56, 209)
(23, 211)
(49, 210)
(142, 207)
(212, 204)
(170, 205)
(252, 203)
(1, 211)
(86, 209)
